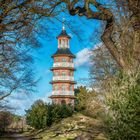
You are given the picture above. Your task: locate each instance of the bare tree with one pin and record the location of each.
(18, 26)
(103, 67)
(15, 72)
(105, 14)
(18, 29)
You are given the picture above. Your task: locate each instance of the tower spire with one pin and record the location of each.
(63, 24)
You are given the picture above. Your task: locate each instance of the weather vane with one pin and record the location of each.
(63, 23)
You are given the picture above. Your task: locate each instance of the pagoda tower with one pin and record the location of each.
(63, 71)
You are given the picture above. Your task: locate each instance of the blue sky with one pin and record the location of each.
(48, 45)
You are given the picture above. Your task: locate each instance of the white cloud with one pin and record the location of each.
(19, 102)
(98, 45)
(83, 57)
(84, 85)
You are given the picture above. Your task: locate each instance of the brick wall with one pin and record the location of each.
(59, 86)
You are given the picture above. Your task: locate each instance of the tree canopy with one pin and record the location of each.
(121, 37)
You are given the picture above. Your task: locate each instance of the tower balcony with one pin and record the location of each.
(61, 78)
(63, 64)
(63, 92)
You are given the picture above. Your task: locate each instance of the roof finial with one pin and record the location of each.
(63, 24)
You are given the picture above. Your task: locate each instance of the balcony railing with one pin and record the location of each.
(57, 78)
(63, 64)
(61, 92)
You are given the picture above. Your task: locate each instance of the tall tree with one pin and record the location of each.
(15, 72)
(103, 67)
(88, 101)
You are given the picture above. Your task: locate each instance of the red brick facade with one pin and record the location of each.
(65, 100)
(59, 86)
(61, 58)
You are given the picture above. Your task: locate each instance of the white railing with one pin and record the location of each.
(61, 92)
(63, 78)
(63, 64)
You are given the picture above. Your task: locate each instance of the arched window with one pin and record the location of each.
(63, 73)
(63, 59)
(56, 87)
(71, 88)
(63, 43)
(71, 60)
(71, 73)
(56, 59)
(55, 73)
(63, 87)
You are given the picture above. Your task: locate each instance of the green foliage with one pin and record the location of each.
(36, 116)
(88, 102)
(42, 115)
(57, 112)
(122, 120)
(82, 95)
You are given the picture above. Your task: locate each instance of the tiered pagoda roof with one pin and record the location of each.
(63, 34)
(63, 51)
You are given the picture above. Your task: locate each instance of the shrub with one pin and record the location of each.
(122, 121)
(57, 112)
(42, 115)
(36, 116)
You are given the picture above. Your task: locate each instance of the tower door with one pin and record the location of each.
(63, 102)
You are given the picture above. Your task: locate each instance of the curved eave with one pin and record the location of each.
(62, 96)
(63, 36)
(63, 81)
(55, 55)
(68, 68)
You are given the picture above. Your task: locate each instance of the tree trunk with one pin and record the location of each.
(134, 8)
(107, 39)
